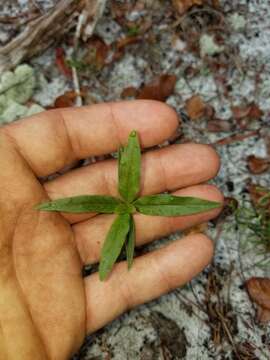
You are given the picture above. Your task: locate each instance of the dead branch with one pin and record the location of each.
(43, 31)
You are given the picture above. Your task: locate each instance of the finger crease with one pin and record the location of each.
(164, 174)
(68, 136)
(14, 143)
(164, 278)
(115, 124)
(106, 183)
(126, 295)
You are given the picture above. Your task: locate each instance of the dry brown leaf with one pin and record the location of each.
(183, 5)
(98, 52)
(244, 114)
(240, 112)
(60, 61)
(122, 43)
(259, 292)
(219, 125)
(257, 193)
(130, 91)
(209, 112)
(160, 89)
(255, 112)
(195, 107)
(257, 165)
(66, 100)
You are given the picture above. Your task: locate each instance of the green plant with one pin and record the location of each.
(122, 231)
(255, 217)
(133, 31)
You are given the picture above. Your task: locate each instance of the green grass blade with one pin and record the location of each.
(169, 205)
(113, 244)
(82, 204)
(129, 168)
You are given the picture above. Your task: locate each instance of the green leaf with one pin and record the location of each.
(130, 243)
(124, 208)
(82, 203)
(113, 244)
(129, 168)
(169, 205)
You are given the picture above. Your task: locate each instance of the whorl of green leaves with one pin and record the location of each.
(122, 232)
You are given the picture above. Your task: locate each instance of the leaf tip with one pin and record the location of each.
(41, 206)
(216, 204)
(129, 263)
(47, 206)
(102, 274)
(133, 133)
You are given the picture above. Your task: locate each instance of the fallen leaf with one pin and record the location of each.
(183, 5)
(257, 165)
(127, 41)
(244, 114)
(257, 194)
(240, 112)
(61, 62)
(255, 112)
(209, 111)
(259, 292)
(65, 100)
(130, 91)
(160, 89)
(195, 107)
(117, 55)
(98, 52)
(219, 125)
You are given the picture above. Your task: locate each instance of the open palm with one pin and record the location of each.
(46, 307)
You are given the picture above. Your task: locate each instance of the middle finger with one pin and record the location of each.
(166, 169)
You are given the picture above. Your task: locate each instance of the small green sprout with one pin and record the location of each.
(133, 31)
(122, 232)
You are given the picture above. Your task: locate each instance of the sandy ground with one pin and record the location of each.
(212, 317)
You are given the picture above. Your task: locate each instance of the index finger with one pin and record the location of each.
(53, 139)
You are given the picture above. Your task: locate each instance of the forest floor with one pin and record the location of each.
(211, 64)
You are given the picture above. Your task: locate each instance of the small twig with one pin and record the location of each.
(43, 31)
(40, 33)
(75, 77)
(234, 138)
(186, 302)
(228, 333)
(36, 6)
(78, 101)
(92, 11)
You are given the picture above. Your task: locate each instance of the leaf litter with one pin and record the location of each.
(236, 77)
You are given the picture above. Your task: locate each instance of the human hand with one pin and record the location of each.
(46, 307)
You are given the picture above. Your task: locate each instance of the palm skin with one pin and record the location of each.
(42, 293)
(46, 307)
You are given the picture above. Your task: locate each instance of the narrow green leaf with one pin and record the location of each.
(129, 168)
(113, 244)
(169, 205)
(82, 203)
(130, 243)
